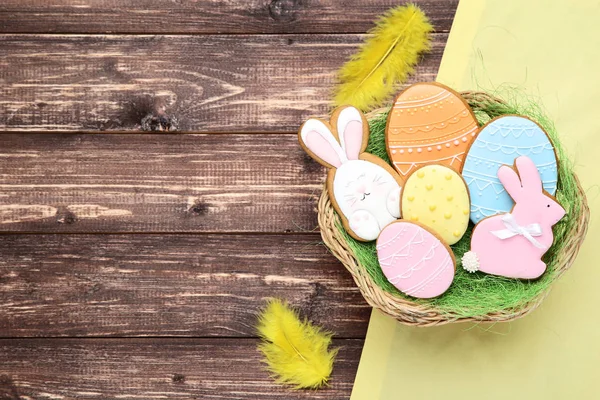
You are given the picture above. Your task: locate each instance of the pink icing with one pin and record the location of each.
(517, 256)
(514, 257)
(322, 148)
(414, 260)
(353, 137)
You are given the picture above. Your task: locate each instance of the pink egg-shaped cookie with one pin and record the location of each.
(415, 260)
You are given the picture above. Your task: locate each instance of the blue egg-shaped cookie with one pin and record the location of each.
(499, 143)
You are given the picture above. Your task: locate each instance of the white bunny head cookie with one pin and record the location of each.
(513, 244)
(364, 189)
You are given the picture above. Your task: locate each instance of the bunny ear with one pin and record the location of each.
(320, 144)
(530, 176)
(511, 182)
(353, 131)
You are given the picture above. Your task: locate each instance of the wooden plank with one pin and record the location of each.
(157, 183)
(169, 285)
(232, 83)
(154, 369)
(207, 16)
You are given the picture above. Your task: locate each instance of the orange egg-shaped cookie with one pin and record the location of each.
(429, 123)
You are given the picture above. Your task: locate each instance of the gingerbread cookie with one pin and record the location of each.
(415, 260)
(437, 197)
(513, 244)
(429, 123)
(364, 189)
(499, 143)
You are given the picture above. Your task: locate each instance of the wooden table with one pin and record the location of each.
(133, 262)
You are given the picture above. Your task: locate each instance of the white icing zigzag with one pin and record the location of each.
(415, 290)
(402, 256)
(506, 130)
(508, 150)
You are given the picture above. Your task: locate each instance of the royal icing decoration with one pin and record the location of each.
(436, 196)
(470, 262)
(513, 244)
(429, 123)
(364, 189)
(513, 229)
(414, 260)
(499, 143)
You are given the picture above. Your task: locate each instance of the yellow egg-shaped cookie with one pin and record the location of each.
(437, 197)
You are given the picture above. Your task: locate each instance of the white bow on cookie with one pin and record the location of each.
(514, 229)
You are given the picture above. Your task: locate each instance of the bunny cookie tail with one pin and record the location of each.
(470, 261)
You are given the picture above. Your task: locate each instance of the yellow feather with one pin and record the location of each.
(386, 58)
(296, 352)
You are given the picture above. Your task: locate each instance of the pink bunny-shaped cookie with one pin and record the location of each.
(364, 189)
(513, 244)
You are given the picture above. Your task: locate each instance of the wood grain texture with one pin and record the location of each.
(157, 183)
(206, 16)
(227, 369)
(169, 285)
(168, 314)
(233, 83)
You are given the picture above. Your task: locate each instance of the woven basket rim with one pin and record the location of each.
(409, 312)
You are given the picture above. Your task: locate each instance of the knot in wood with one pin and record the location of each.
(198, 208)
(159, 123)
(66, 217)
(284, 10)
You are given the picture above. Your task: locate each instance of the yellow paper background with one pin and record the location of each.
(550, 50)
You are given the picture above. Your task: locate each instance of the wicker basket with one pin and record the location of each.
(411, 313)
